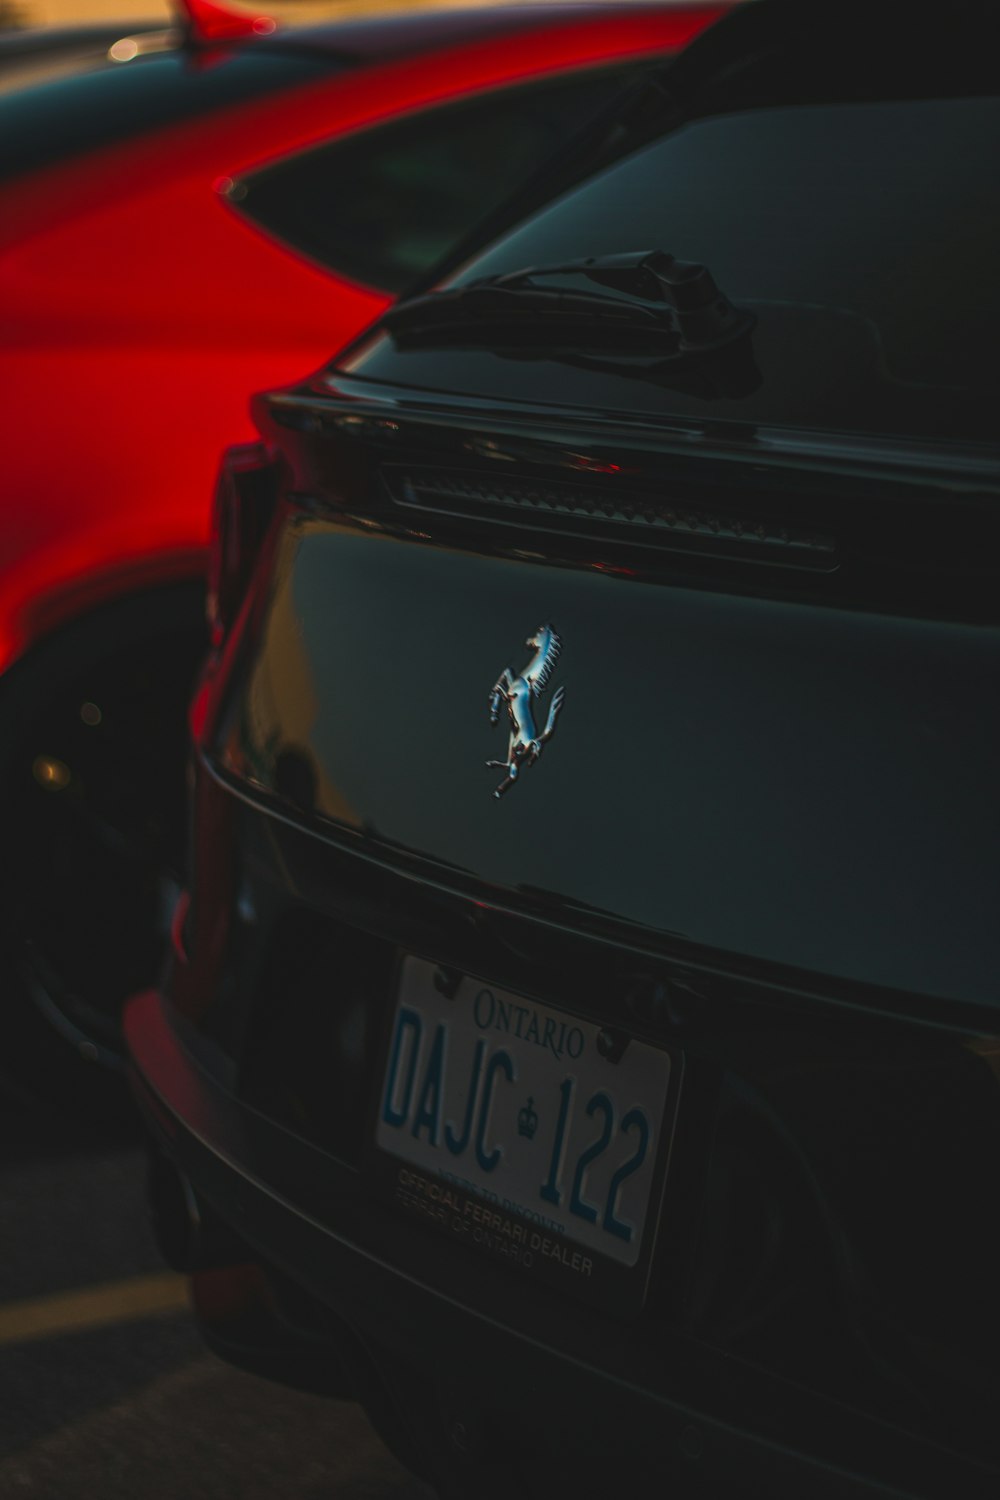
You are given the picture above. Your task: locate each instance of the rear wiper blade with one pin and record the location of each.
(648, 301)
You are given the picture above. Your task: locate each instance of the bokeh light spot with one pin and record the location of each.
(50, 773)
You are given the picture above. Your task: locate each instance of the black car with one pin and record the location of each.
(581, 1037)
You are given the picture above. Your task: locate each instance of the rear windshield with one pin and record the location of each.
(864, 237)
(44, 123)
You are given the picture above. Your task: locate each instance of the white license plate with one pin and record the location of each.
(527, 1107)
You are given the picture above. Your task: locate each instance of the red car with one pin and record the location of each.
(191, 221)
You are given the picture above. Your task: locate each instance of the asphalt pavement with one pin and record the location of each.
(105, 1387)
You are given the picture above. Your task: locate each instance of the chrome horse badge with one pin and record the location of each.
(521, 694)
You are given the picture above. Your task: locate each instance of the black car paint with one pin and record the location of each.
(824, 1105)
(679, 795)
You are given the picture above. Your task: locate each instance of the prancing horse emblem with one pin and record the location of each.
(521, 694)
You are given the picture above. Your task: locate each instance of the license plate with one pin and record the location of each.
(522, 1123)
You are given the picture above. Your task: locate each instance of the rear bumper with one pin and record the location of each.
(489, 1379)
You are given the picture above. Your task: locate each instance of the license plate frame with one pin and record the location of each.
(418, 1170)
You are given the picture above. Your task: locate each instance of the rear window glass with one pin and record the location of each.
(385, 204)
(66, 116)
(865, 238)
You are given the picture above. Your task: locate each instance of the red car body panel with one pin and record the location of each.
(209, 22)
(141, 310)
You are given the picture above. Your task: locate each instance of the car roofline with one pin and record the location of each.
(398, 34)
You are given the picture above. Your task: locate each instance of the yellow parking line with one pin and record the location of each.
(92, 1307)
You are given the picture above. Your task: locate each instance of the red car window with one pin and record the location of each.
(382, 205)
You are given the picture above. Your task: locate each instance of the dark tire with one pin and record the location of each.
(93, 748)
